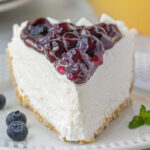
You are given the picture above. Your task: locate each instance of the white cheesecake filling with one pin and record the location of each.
(77, 111)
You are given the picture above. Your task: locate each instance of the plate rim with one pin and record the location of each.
(137, 143)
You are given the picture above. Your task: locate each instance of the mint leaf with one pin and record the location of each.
(137, 121)
(141, 119)
(145, 115)
(142, 110)
(147, 121)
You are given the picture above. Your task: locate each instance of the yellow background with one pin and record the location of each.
(135, 13)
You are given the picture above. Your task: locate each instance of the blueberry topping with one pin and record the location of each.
(75, 51)
(70, 40)
(112, 31)
(16, 116)
(61, 28)
(17, 131)
(76, 65)
(36, 34)
(54, 49)
(93, 30)
(2, 101)
(90, 45)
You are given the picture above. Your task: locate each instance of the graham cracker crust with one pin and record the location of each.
(25, 102)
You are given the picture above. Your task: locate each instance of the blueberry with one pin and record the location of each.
(2, 101)
(17, 131)
(16, 116)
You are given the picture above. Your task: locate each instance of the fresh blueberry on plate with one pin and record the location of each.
(16, 116)
(2, 101)
(17, 131)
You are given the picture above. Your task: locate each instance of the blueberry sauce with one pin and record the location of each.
(75, 51)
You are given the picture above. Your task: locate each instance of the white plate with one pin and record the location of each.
(116, 136)
(10, 4)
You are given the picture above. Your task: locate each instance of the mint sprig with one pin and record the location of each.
(137, 121)
(141, 119)
(145, 115)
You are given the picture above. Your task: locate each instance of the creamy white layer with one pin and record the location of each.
(75, 110)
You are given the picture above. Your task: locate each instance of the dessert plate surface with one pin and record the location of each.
(116, 136)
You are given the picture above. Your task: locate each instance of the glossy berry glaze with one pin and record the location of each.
(75, 51)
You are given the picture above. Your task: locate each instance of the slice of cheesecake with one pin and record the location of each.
(77, 104)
